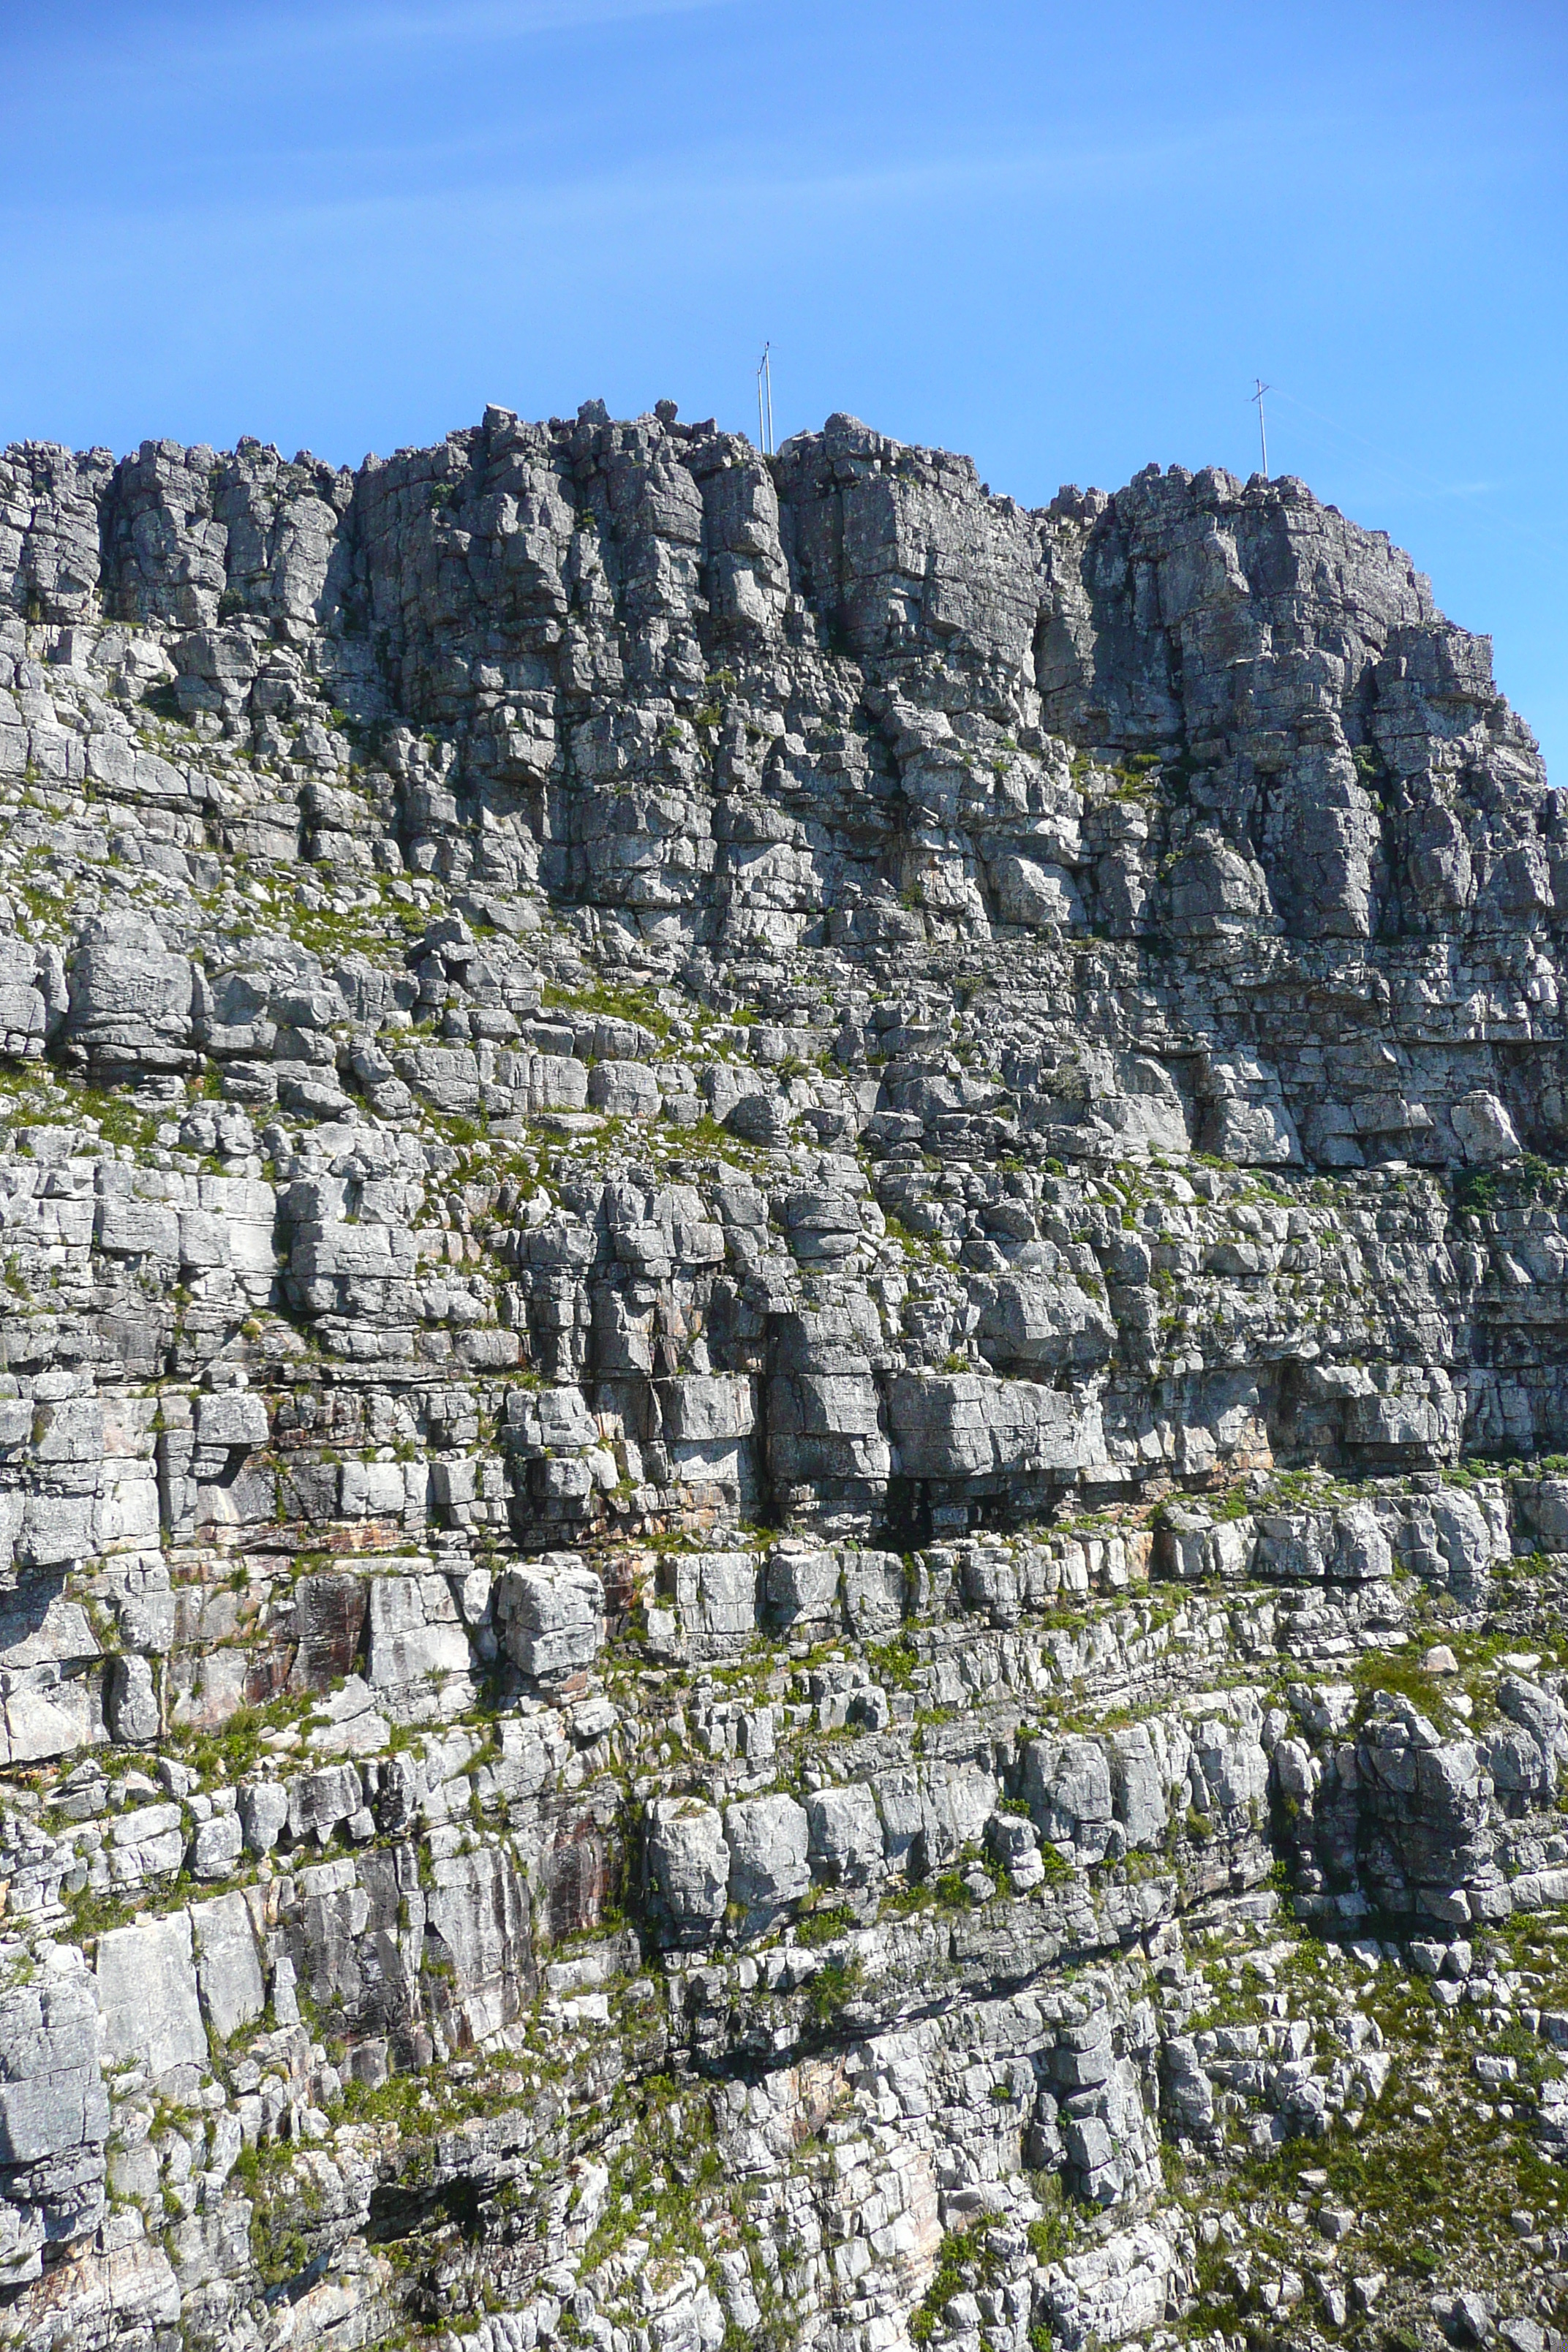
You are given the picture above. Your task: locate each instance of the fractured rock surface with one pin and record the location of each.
(783, 1412)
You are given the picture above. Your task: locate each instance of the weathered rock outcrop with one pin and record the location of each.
(782, 1383)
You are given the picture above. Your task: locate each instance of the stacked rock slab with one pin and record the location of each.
(782, 1397)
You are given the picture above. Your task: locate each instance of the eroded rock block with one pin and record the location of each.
(845, 1834)
(768, 1838)
(147, 1994)
(129, 999)
(688, 1866)
(550, 1615)
(228, 1967)
(54, 2114)
(131, 1702)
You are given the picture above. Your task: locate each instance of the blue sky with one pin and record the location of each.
(1064, 238)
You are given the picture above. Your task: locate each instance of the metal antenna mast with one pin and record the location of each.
(765, 401)
(1262, 428)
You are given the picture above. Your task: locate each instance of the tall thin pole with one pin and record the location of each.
(1262, 427)
(765, 402)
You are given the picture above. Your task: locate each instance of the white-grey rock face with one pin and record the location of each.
(688, 1866)
(147, 1995)
(54, 2113)
(846, 1833)
(551, 1616)
(783, 1388)
(767, 1841)
(228, 1967)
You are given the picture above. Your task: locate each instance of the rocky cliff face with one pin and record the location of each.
(783, 1314)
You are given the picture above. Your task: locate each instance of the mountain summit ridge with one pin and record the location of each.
(781, 1408)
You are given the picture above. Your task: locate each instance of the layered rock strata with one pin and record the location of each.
(782, 1407)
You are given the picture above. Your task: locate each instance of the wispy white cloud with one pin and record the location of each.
(491, 179)
(371, 30)
(1417, 487)
(235, 56)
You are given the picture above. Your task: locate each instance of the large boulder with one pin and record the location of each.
(1228, 1767)
(844, 1833)
(701, 1407)
(801, 1584)
(1067, 1785)
(716, 1593)
(1032, 1322)
(147, 1993)
(550, 1615)
(769, 1839)
(31, 997)
(478, 1915)
(228, 1967)
(1483, 1130)
(54, 2114)
(687, 1864)
(1136, 1785)
(131, 1702)
(129, 1000)
(963, 1426)
(415, 1631)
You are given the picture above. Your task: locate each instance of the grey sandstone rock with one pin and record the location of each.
(550, 1615)
(477, 1914)
(1069, 1787)
(844, 1833)
(416, 1633)
(216, 1847)
(228, 1967)
(317, 1801)
(132, 1702)
(768, 1839)
(781, 1373)
(1138, 1786)
(263, 1815)
(129, 999)
(54, 2114)
(801, 1584)
(716, 1593)
(688, 1866)
(1483, 1130)
(147, 1994)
